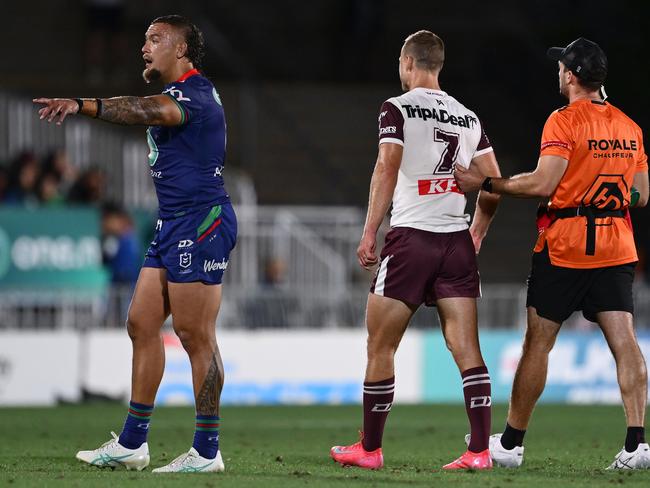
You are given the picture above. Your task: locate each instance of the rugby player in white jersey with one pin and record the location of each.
(430, 252)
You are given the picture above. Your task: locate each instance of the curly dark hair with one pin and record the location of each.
(193, 37)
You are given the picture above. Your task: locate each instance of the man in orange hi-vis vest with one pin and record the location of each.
(592, 168)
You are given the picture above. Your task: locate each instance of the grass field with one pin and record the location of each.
(288, 446)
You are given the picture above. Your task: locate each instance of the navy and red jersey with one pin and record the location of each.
(187, 160)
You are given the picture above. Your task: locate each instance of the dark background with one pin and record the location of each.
(302, 81)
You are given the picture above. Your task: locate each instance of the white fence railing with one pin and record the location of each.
(264, 307)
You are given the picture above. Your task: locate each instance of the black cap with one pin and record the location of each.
(584, 57)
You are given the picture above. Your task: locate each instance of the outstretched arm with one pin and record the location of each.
(540, 183)
(153, 110)
(486, 203)
(382, 186)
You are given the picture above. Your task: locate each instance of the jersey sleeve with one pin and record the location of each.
(188, 100)
(484, 146)
(642, 158)
(557, 139)
(391, 124)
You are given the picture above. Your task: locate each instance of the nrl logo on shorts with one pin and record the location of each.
(186, 260)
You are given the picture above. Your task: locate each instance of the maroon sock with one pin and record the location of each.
(478, 400)
(377, 400)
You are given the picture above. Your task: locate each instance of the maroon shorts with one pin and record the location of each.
(422, 267)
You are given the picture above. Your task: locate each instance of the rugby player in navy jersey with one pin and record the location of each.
(196, 230)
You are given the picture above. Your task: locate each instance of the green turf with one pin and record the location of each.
(288, 446)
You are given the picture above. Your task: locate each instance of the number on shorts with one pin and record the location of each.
(450, 153)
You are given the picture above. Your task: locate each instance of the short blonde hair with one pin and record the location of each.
(427, 49)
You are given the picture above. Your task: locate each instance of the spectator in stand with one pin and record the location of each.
(22, 179)
(48, 189)
(122, 252)
(122, 255)
(58, 165)
(89, 188)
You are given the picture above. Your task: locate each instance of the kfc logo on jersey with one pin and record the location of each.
(438, 186)
(185, 260)
(391, 129)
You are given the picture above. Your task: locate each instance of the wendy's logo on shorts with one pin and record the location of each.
(185, 260)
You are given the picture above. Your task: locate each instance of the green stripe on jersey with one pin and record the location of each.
(209, 220)
(184, 116)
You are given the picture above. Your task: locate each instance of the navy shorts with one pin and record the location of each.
(194, 247)
(422, 267)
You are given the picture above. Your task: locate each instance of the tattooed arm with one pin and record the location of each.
(154, 110)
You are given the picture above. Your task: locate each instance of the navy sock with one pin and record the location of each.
(206, 436)
(512, 437)
(136, 426)
(635, 436)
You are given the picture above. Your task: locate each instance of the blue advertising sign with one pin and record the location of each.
(581, 367)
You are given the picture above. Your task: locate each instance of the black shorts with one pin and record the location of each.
(557, 292)
(422, 267)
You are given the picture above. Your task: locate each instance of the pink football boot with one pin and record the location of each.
(356, 455)
(471, 460)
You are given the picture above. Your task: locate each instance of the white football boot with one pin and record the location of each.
(639, 459)
(192, 462)
(112, 454)
(506, 458)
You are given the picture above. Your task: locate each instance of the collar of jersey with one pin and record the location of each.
(437, 92)
(185, 76)
(588, 100)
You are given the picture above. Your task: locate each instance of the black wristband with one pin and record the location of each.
(487, 184)
(100, 107)
(80, 102)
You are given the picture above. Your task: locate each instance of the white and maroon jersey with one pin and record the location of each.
(437, 133)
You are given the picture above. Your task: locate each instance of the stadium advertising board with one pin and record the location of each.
(283, 367)
(38, 368)
(581, 368)
(50, 249)
(296, 367)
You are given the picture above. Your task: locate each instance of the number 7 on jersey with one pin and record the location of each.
(448, 157)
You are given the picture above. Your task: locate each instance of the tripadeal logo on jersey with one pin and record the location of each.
(442, 116)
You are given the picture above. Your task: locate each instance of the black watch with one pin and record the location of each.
(487, 184)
